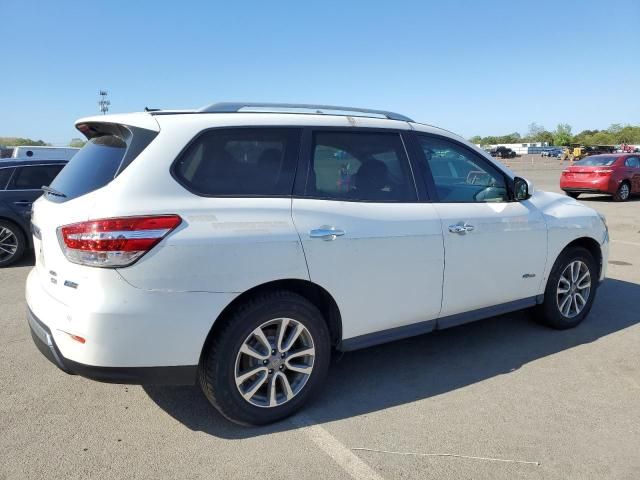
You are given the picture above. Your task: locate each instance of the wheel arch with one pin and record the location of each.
(314, 293)
(591, 245)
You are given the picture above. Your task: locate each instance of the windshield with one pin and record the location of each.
(598, 161)
(95, 165)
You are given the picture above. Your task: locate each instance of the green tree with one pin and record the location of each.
(535, 131)
(562, 134)
(19, 141)
(77, 143)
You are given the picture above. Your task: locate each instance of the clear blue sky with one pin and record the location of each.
(474, 67)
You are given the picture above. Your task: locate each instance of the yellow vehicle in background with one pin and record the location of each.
(577, 152)
(573, 153)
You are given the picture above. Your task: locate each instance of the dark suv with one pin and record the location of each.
(20, 186)
(502, 152)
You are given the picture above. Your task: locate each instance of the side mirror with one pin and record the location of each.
(522, 189)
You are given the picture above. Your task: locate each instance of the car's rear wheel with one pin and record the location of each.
(570, 290)
(623, 193)
(12, 243)
(269, 357)
(573, 194)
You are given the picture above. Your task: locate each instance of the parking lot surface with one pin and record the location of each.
(501, 398)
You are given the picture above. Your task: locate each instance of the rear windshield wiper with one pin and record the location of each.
(52, 191)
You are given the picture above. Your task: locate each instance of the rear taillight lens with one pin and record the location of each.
(603, 171)
(114, 242)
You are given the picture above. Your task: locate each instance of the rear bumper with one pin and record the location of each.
(130, 335)
(44, 341)
(598, 185)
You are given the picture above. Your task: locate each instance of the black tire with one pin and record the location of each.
(573, 194)
(12, 230)
(549, 312)
(620, 195)
(218, 365)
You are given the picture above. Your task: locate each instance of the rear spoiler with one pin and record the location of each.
(135, 136)
(110, 124)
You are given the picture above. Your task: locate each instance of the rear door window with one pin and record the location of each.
(34, 177)
(95, 165)
(632, 162)
(360, 166)
(240, 162)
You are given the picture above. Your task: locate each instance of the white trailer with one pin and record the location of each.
(43, 153)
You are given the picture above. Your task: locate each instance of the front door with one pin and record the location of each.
(366, 238)
(495, 248)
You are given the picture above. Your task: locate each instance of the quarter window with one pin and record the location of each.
(360, 166)
(33, 178)
(461, 176)
(242, 162)
(5, 175)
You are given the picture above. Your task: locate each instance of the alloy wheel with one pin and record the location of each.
(274, 362)
(574, 287)
(624, 191)
(8, 243)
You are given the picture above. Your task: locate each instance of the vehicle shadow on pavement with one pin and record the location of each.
(421, 367)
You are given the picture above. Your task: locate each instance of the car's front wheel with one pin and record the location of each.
(12, 243)
(570, 290)
(269, 357)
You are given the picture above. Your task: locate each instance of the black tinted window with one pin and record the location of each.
(32, 178)
(461, 175)
(95, 165)
(5, 175)
(243, 161)
(360, 166)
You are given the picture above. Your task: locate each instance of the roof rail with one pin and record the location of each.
(259, 107)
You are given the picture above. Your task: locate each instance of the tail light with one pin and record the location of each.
(603, 171)
(114, 242)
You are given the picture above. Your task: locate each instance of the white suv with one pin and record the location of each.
(236, 246)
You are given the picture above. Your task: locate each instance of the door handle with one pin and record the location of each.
(461, 228)
(326, 233)
(23, 203)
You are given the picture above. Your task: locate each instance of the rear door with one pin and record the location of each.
(495, 248)
(367, 237)
(632, 167)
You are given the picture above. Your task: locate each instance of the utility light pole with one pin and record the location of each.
(103, 102)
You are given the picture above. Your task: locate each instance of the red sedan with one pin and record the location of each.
(616, 174)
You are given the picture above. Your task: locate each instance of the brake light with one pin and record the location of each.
(114, 242)
(603, 171)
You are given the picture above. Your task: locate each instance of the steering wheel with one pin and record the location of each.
(488, 193)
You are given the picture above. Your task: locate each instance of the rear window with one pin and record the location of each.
(95, 165)
(240, 162)
(596, 161)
